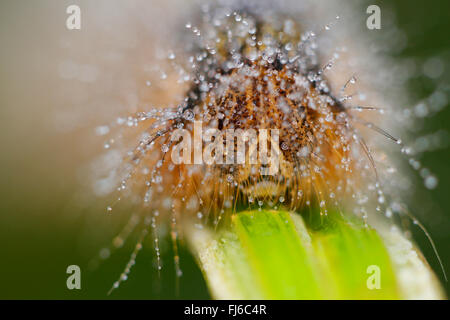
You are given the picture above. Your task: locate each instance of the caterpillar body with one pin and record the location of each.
(244, 68)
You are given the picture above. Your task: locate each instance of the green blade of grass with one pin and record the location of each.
(273, 255)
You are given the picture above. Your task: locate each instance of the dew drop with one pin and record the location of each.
(171, 56)
(188, 115)
(164, 148)
(431, 182)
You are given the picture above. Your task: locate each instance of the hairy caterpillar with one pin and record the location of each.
(256, 66)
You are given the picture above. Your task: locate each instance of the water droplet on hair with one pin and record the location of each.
(431, 182)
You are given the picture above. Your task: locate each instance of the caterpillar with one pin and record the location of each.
(246, 68)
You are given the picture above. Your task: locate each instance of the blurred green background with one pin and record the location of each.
(42, 230)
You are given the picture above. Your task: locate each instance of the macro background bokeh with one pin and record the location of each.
(43, 227)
